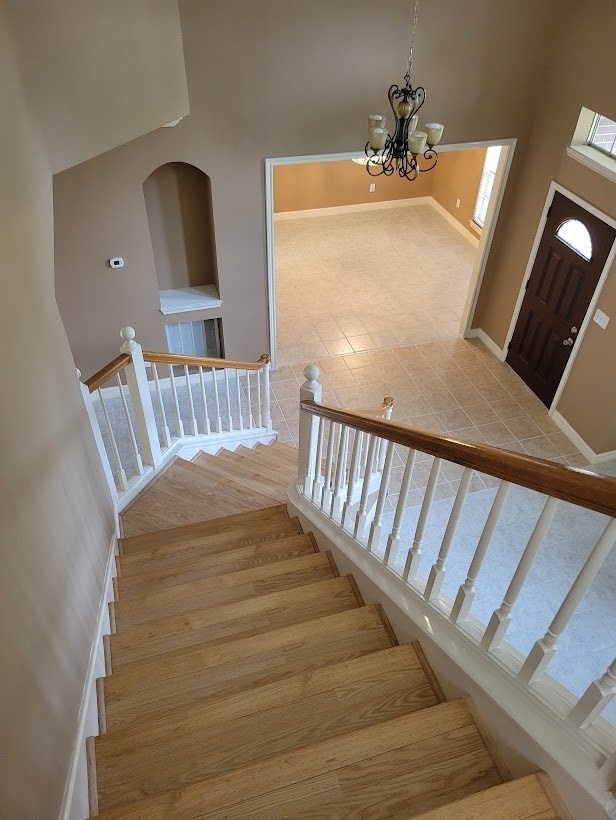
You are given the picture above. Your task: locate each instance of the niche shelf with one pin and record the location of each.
(187, 300)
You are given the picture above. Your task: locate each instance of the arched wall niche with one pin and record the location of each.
(178, 200)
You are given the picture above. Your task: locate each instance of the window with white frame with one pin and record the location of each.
(486, 184)
(594, 143)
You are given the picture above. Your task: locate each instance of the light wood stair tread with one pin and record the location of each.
(276, 472)
(522, 799)
(158, 685)
(421, 759)
(247, 617)
(188, 567)
(216, 545)
(268, 456)
(221, 589)
(205, 751)
(276, 488)
(201, 529)
(186, 493)
(280, 451)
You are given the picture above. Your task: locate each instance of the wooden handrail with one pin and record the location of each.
(580, 487)
(105, 373)
(200, 361)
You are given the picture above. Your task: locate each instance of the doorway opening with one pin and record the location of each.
(359, 264)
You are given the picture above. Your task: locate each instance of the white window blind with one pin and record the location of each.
(485, 186)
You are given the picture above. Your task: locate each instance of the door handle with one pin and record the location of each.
(568, 342)
(574, 330)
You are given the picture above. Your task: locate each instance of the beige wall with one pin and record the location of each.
(581, 73)
(178, 200)
(328, 184)
(235, 124)
(54, 506)
(457, 176)
(99, 73)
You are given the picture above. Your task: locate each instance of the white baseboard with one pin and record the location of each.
(75, 805)
(351, 209)
(470, 237)
(575, 438)
(479, 333)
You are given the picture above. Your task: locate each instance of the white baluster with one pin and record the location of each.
(139, 389)
(376, 526)
(382, 444)
(353, 471)
(206, 411)
(120, 473)
(216, 401)
(339, 485)
(411, 565)
(326, 498)
(249, 402)
(98, 438)
(176, 404)
(595, 698)
(163, 416)
(393, 542)
(466, 593)
(129, 426)
(228, 398)
(238, 392)
(317, 487)
(310, 390)
(437, 572)
(191, 405)
(607, 771)
(543, 650)
(501, 617)
(259, 409)
(267, 417)
(361, 519)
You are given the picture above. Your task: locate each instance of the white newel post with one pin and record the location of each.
(310, 390)
(137, 380)
(98, 438)
(267, 414)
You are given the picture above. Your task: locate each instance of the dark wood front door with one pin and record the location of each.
(566, 271)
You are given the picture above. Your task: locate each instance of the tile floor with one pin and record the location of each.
(378, 309)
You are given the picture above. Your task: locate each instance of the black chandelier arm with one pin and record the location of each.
(429, 154)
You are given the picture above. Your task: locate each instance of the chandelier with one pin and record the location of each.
(399, 152)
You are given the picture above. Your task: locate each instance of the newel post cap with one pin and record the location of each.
(312, 373)
(127, 334)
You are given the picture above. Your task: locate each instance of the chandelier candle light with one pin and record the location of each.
(398, 152)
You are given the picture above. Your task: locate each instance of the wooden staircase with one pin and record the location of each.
(247, 679)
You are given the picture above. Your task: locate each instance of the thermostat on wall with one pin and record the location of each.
(116, 262)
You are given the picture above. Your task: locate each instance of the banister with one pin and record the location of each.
(106, 372)
(201, 361)
(576, 486)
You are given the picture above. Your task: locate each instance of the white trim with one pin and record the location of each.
(484, 245)
(475, 226)
(554, 188)
(479, 333)
(455, 223)
(75, 798)
(539, 709)
(575, 438)
(594, 159)
(351, 209)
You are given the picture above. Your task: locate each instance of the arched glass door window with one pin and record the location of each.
(574, 234)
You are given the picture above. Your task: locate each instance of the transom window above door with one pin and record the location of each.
(575, 235)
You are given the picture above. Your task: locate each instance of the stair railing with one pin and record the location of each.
(365, 522)
(144, 406)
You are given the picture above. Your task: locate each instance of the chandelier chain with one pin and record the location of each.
(409, 64)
